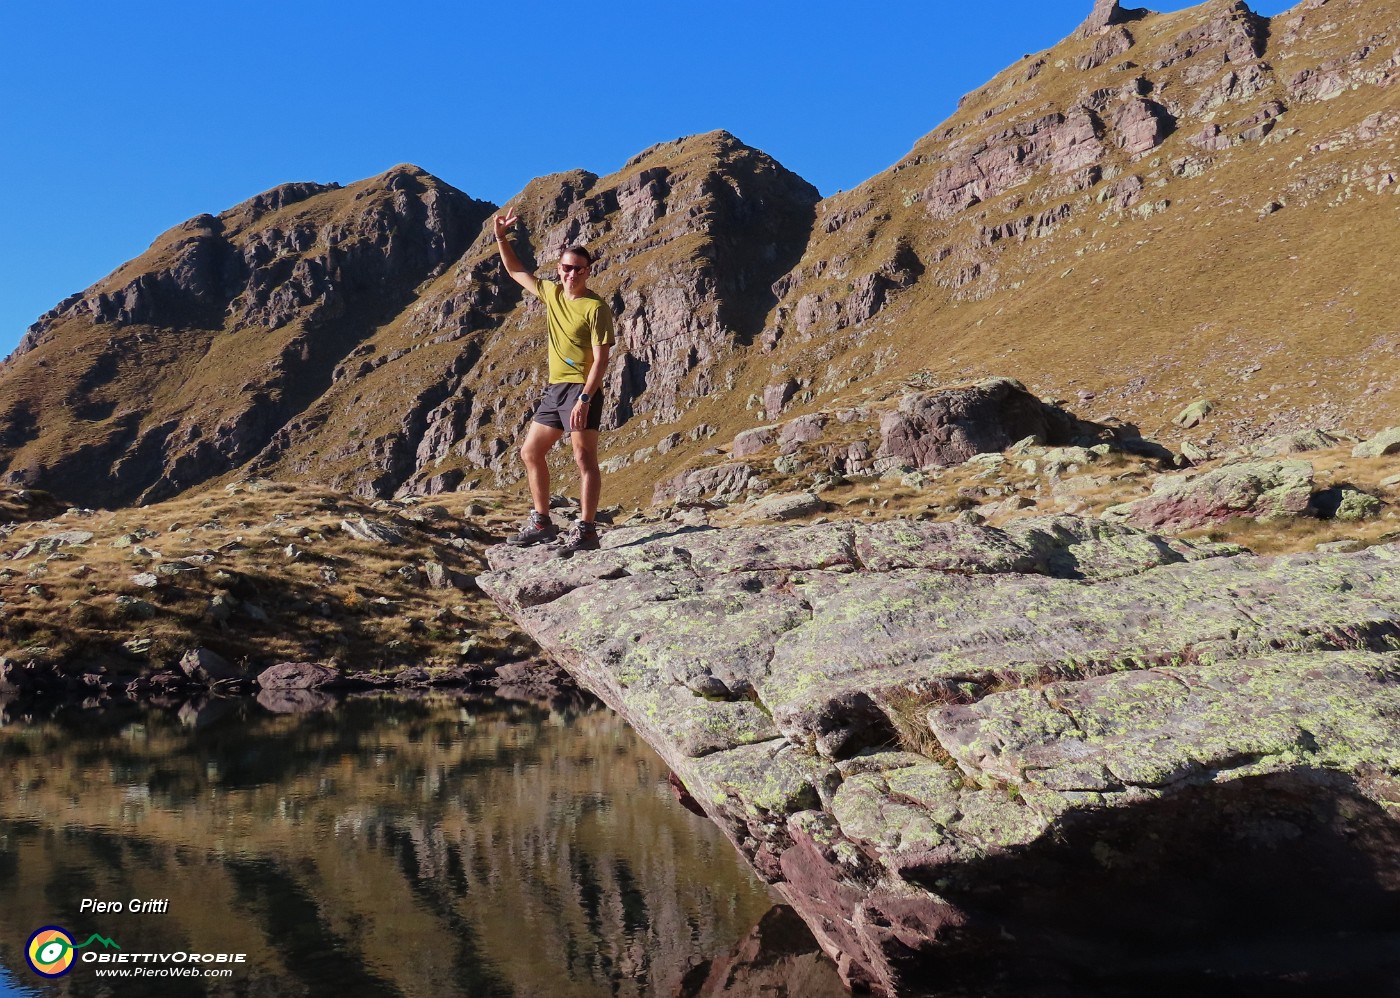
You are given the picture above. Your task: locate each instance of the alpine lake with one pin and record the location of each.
(441, 845)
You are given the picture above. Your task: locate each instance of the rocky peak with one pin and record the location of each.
(317, 264)
(688, 234)
(278, 198)
(1104, 14)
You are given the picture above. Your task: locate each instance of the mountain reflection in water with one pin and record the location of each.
(390, 846)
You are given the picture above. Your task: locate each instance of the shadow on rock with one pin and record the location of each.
(1267, 885)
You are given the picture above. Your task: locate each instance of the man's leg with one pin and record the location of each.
(590, 478)
(538, 439)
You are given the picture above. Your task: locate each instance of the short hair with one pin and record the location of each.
(578, 251)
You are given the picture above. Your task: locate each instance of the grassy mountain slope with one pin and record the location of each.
(1161, 207)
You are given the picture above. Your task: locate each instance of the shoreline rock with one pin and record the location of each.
(907, 728)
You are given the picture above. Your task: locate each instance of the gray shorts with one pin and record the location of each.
(559, 400)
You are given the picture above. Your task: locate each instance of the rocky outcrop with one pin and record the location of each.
(1104, 14)
(865, 296)
(260, 584)
(925, 429)
(927, 736)
(937, 429)
(1383, 443)
(1296, 443)
(1258, 490)
(1065, 142)
(724, 481)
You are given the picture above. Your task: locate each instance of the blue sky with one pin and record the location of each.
(120, 120)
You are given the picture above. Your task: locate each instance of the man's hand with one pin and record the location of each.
(504, 223)
(578, 416)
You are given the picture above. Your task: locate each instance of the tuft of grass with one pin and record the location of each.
(907, 708)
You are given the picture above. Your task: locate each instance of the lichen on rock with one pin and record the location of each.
(1067, 673)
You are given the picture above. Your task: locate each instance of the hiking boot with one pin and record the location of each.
(581, 536)
(538, 529)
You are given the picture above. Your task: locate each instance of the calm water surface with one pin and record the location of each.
(441, 846)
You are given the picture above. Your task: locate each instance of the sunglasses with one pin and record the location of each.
(570, 268)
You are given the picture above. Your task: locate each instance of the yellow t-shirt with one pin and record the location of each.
(575, 326)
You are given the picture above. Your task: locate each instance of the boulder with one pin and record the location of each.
(937, 429)
(1193, 453)
(439, 576)
(750, 442)
(776, 397)
(803, 429)
(371, 531)
(1194, 414)
(297, 676)
(1346, 503)
(52, 542)
(725, 481)
(131, 606)
(1258, 490)
(1295, 443)
(788, 507)
(1384, 442)
(205, 666)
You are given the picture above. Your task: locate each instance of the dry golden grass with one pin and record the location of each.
(1294, 536)
(1006, 492)
(269, 575)
(907, 709)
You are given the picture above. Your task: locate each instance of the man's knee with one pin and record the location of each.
(537, 443)
(585, 451)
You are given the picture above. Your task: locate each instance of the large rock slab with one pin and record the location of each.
(923, 735)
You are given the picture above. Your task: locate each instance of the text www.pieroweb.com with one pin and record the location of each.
(164, 972)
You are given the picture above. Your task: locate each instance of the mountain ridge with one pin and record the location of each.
(364, 336)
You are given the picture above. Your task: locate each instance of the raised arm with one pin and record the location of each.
(512, 262)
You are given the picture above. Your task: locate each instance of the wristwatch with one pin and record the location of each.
(583, 397)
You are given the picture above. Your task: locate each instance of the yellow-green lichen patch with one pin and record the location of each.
(773, 549)
(869, 812)
(1162, 728)
(913, 810)
(769, 779)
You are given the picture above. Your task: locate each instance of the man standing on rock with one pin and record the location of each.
(580, 337)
